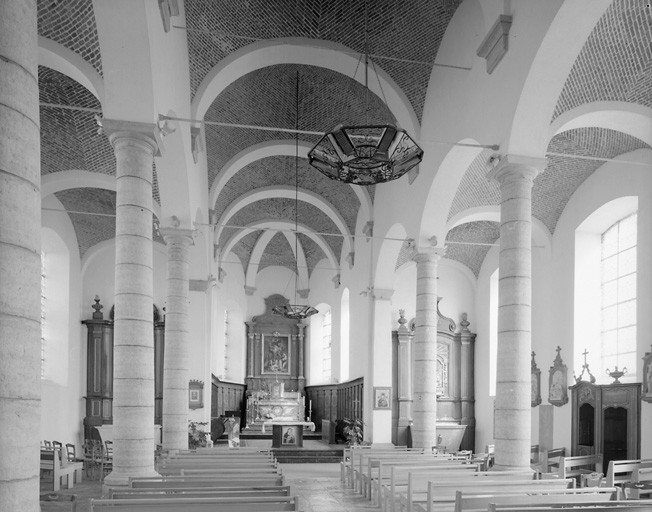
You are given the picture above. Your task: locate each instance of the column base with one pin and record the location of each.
(121, 479)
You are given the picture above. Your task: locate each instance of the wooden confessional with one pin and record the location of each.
(606, 419)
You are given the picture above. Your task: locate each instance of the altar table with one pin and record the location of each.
(288, 434)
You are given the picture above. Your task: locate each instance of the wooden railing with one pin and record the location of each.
(227, 396)
(335, 401)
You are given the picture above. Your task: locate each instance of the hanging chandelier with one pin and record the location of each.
(367, 154)
(295, 311)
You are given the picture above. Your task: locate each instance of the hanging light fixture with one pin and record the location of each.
(296, 311)
(365, 155)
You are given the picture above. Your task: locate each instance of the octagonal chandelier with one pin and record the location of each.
(295, 311)
(367, 154)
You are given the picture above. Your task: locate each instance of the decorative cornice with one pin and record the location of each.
(249, 290)
(495, 45)
(516, 166)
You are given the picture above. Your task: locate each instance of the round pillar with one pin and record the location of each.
(133, 349)
(513, 413)
(177, 351)
(20, 258)
(424, 405)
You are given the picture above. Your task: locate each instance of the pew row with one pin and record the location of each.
(211, 504)
(611, 506)
(207, 481)
(445, 490)
(621, 471)
(60, 470)
(479, 501)
(199, 492)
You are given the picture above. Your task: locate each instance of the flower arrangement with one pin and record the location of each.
(353, 430)
(197, 436)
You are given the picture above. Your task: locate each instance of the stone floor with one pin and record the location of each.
(317, 485)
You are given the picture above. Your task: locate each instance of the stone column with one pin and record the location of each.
(133, 374)
(20, 258)
(513, 389)
(424, 405)
(404, 391)
(301, 329)
(467, 339)
(177, 352)
(250, 350)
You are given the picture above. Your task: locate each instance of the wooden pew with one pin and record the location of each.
(212, 504)
(620, 471)
(441, 490)
(574, 467)
(641, 484)
(199, 492)
(479, 501)
(383, 472)
(551, 459)
(207, 481)
(190, 469)
(60, 469)
(611, 506)
(403, 477)
(359, 475)
(422, 486)
(351, 455)
(375, 467)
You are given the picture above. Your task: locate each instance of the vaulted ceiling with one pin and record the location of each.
(402, 39)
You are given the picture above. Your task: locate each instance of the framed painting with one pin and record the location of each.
(276, 354)
(196, 394)
(382, 398)
(289, 437)
(558, 382)
(646, 396)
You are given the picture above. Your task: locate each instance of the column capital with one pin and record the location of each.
(177, 236)
(425, 254)
(511, 167)
(121, 131)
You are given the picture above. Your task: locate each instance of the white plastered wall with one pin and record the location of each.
(64, 381)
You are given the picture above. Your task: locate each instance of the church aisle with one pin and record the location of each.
(320, 489)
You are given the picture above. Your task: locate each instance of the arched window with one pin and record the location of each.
(618, 294)
(326, 346)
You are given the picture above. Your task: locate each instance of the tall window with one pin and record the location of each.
(326, 346)
(43, 311)
(226, 343)
(618, 283)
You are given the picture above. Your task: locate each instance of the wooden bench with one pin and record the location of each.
(200, 492)
(575, 467)
(360, 477)
(549, 460)
(479, 501)
(641, 484)
(422, 488)
(60, 469)
(189, 469)
(212, 504)
(441, 490)
(402, 478)
(375, 467)
(383, 472)
(351, 459)
(358, 459)
(611, 506)
(621, 471)
(207, 481)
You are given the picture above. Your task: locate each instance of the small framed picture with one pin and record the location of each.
(382, 398)
(289, 437)
(196, 394)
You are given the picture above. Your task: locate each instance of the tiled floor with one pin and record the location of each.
(317, 485)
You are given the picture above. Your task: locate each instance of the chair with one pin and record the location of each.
(47, 444)
(71, 453)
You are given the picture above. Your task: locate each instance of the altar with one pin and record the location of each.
(288, 434)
